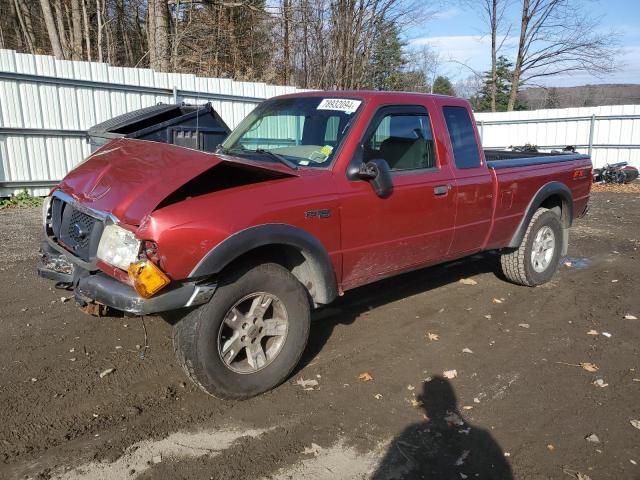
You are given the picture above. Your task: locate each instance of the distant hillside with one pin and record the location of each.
(584, 96)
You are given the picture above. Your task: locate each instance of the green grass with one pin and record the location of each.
(22, 199)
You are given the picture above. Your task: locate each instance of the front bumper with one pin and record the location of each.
(98, 287)
(103, 289)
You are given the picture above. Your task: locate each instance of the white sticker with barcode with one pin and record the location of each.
(346, 105)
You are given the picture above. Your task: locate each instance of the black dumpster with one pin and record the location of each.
(193, 126)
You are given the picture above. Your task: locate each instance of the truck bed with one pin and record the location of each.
(497, 159)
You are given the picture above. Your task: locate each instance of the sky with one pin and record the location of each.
(457, 34)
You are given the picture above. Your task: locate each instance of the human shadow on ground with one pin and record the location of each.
(444, 446)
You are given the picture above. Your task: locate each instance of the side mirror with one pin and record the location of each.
(378, 174)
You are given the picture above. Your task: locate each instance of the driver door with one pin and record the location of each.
(414, 225)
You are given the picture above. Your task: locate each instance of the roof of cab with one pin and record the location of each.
(368, 95)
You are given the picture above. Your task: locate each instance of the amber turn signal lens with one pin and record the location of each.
(147, 278)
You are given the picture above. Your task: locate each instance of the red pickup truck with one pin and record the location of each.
(310, 196)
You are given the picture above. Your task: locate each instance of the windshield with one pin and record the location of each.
(299, 131)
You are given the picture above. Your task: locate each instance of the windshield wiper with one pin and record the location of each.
(279, 158)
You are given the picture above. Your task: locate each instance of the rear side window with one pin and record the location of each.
(463, 138)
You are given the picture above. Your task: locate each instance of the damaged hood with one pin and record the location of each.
(130, 178)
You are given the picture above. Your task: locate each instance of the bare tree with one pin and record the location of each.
(469, 87)
(493, 15)
(76, 13)
(52, 30)
(62, 35)
(158, 35)
(24, 19)
(557, 37)
(87, 29)
(426, 60)
(310, 43)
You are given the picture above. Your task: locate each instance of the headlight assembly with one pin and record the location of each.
(118, 247)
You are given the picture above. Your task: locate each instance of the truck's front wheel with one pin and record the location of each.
(536, 259)
(249, 337)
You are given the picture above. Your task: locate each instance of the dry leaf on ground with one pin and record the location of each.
(468, 281)
(593, 438)
(496, 300)
(593, 332)
(365, 377)
(450, 374)
(307, 384)
(589, 367)
(433, 337)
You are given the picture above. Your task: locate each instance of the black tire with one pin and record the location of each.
(517, 264)
(196, 334)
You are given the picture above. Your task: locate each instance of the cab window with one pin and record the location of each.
(405, 141)
(462, 136)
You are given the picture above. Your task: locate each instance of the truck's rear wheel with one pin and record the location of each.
(249, 337)
(536, 259)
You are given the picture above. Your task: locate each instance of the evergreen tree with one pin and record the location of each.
(442, 86)
(503, 87)
(387, 60)
(553, 99)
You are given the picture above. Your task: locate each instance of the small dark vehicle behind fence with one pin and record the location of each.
(620, 172)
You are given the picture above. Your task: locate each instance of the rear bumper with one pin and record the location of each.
(97, 287)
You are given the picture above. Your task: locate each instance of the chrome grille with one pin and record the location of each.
(77, 231)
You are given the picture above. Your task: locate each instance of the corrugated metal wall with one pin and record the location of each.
(46, 106)
(610, 133)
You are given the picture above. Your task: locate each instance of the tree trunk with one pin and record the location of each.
(87, 33)
(286, 8)
(100, 27)
(27, 32)
(52, 31)
(76, 17)
(494, 73)
(517, 69)
(13, 21)
(62, 33)
(158, 35)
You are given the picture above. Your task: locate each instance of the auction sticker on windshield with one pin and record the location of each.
(346, 105)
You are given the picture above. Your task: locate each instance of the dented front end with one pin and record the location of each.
(101, 237)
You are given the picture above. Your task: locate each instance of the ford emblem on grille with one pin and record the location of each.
(78, 232)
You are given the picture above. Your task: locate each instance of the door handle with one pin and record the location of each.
(441, 189)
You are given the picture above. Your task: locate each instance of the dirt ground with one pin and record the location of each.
(520, 406)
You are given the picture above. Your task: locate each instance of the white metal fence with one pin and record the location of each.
(47, 105)
(609, 134)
